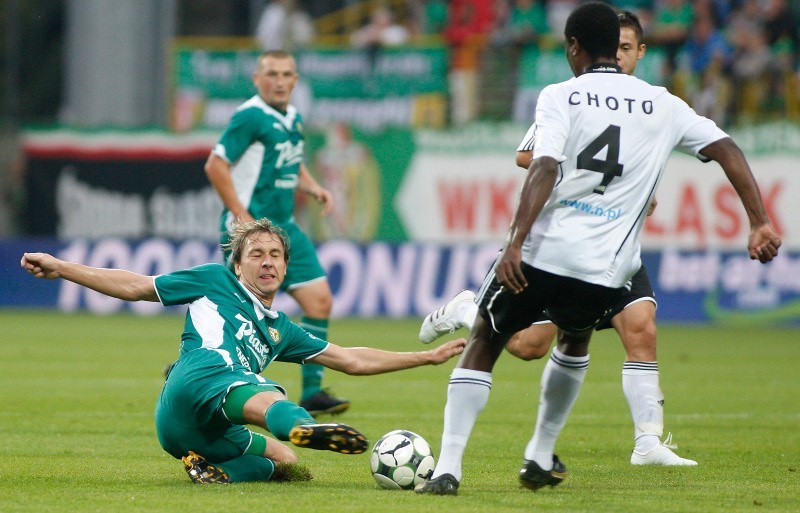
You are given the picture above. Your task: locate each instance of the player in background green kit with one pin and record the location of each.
(230, 336)
(256, 167)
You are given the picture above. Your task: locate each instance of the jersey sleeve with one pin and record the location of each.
(240, 133)
(529, 139)
(185, 286)
(695, 132)
(552, 124)
(300, 345)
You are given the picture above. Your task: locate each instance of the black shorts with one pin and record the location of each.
(640, 290)
(573, 305)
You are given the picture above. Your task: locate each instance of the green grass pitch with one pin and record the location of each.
(77, 433)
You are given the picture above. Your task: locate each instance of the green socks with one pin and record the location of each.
(312, 373)
(282, 416)
(248, 468)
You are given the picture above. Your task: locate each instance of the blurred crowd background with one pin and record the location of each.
(98, 64)
(733, 60)
(412, 110)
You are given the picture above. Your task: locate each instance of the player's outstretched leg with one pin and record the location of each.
(446, 484)
(339, 438)
(661, 454)
(457, 313)
(533, 477)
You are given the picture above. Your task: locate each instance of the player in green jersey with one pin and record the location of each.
(230, 336)
(256, 167)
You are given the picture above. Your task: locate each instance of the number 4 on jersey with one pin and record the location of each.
(610, 167)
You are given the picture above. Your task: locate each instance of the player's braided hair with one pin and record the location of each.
(596, 27)
(242, 231)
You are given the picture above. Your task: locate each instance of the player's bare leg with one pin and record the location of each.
(636, 325)
(467, 395)
(532, 343)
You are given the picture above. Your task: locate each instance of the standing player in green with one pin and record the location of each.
(255, 168)
(230, 336)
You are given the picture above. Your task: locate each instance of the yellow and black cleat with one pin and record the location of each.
(202, 472)
(329, 437)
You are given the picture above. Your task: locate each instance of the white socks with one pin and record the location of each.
(561, 381)
(467, 395)
(646, 402)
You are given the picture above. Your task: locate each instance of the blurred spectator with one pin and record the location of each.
(752, 68)
(434, 17)
(500, 33)
(469, 24)
(718, 10)
(380, 31)
(782, 34)
(284, 26)
(749, 12)
(527, 23)
(671, 24)
(708, 57)
(557, 13)
(643, 9)
(706, 47)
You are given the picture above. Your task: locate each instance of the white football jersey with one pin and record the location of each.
(612, 134)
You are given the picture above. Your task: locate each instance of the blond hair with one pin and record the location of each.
(243, 230)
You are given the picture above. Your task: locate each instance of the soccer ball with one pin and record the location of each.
(400, 460)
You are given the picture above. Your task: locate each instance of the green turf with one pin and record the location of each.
(77, 434)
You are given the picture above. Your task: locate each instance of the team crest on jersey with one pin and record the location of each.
(299, 127)
(275, 334)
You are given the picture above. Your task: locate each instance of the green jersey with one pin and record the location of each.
(225, 317)
(264, 148)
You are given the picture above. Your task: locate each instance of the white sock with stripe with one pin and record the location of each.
(561, 381)
(646, 402)
(467, 395)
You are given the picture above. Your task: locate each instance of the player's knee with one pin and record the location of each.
(526, 348)
(643, 331)
(639, 340)
(318, 306)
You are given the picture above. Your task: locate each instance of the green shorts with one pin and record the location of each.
(189, 414)
(304, 266)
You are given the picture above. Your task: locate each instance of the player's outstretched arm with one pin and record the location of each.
(117, 283)
(764, 241)
(363, 361)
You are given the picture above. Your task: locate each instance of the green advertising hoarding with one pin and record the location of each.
(392, 87)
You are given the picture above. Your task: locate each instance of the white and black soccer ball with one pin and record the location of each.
(400, 460)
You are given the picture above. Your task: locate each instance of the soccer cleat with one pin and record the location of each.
(446, 319)
(446, 484)
(532, 476)
(329, 437)
(323, 403)
(661, 454)
(202, 472)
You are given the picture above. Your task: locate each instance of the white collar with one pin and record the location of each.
(259, 307)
